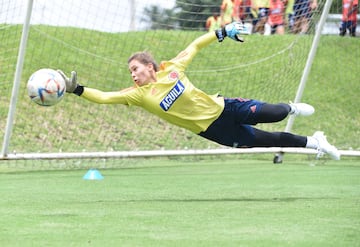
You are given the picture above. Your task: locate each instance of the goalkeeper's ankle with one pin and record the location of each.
(301, 109)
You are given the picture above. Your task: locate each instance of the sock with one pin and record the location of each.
(292, 109)
(311, 142)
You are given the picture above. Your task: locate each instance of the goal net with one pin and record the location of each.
(95, 38)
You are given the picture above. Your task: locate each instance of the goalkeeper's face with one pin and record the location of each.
(142, 74)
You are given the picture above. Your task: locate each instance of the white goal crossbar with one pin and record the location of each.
(165, 153)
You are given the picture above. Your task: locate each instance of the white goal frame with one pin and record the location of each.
(5, 155)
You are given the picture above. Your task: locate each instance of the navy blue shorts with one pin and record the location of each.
(348, 25)
(233, 127)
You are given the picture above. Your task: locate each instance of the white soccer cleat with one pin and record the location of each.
(301, 109)
(325, 147)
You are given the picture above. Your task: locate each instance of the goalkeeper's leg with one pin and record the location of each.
(317, 141)
(270, 113)
(278, 139)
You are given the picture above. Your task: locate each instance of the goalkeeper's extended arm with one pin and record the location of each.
(233, 31)
(71, 83)
(94, 95)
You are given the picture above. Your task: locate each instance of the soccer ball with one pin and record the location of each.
(46, 87)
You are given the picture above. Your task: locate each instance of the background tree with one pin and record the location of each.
(159, 18)
(336, 7)
(187, 14)
(192, 14)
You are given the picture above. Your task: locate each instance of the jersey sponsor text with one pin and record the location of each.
(172, 96)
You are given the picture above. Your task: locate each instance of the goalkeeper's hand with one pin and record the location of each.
(233, 31)
(71, 83)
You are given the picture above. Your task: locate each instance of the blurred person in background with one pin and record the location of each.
(236, 14)
(213, 22)
(247, 11)
(276, 17)
(289, 15)
(303, 10)
(349, 17)
(262, 7)
(226, 12)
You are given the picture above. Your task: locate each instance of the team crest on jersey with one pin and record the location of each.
(173, 75)
(172, 96)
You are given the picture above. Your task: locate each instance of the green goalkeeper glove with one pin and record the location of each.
(71, 83)
(233, 31)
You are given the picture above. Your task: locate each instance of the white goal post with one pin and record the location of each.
(74, 129)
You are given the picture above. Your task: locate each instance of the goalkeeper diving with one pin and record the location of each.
(166, 91)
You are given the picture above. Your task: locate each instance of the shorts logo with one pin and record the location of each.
(253, 108)
(172, 96)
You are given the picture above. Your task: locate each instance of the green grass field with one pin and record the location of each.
(163, 202)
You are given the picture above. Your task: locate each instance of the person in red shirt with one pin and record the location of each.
(276, 16)
(349, 18)
(247, 10)
(236, 14)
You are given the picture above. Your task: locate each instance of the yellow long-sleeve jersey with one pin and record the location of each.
(172, 97)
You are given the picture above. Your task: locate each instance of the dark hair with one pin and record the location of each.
(144, 58)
